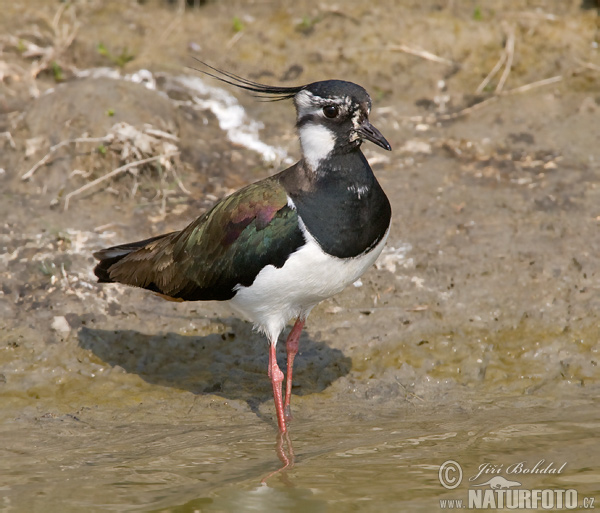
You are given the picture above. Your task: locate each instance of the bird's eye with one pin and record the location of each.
(331, 111)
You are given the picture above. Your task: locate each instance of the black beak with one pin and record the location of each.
(370, 133)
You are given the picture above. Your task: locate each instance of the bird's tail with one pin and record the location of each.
(110, 256)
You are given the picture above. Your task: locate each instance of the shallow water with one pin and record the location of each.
(386, 462)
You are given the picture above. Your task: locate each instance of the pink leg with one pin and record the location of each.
(291, 346)
(276, 379)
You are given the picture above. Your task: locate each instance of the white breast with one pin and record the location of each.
(308, 277)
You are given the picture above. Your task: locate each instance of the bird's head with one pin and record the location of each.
(332, 115)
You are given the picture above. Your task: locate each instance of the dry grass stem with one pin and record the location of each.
(533, 85)
(589, 65)
(516, 90)
(63, 35)
(8, 136)
(179, 182)
(491, 74)
(237, 36)
(506, 60)
(524, 15)
(484, 103)
(468, 110)
(177, 21)
(424, 54)
(509, 50)
(56, 147)
(115, 172)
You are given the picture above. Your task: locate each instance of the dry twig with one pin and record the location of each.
(509, 49)
(538, 15)
(63, 35)
(8, 136)
(115, 172)
(516, 90)
(180, 183)
(533, 85)
(236, 37)
(589, 65)
(56, 147)
(487, 101)
(506, 60)
(468, 110)
(177, 21)
(424, 54)
(491, 74)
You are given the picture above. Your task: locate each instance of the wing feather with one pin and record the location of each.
(226, 247)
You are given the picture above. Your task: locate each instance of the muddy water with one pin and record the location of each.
(474, 339)
(385, 462)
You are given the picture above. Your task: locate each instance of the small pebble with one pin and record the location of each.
(60, 324)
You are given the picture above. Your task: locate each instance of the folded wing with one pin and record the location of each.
(226, 247)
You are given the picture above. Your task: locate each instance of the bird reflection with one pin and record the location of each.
(285, 452)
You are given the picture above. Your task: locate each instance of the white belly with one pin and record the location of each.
(308, 277)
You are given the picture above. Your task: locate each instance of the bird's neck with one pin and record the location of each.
(342, 167)
(341, 204)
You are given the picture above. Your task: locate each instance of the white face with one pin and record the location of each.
(316, 139)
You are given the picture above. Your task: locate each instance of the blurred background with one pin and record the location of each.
(474, 338)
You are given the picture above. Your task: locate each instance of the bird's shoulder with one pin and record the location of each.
(230, 244)
(254, 208)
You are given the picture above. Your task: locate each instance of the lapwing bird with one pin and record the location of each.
(278, 247)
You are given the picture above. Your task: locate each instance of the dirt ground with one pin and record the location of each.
(488, 288)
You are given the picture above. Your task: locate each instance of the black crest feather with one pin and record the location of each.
(266, 92)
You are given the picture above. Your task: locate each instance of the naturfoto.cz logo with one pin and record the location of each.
(491, 490)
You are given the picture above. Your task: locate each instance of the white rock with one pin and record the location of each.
(60, 324)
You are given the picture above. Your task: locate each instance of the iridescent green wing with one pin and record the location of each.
(226, 247)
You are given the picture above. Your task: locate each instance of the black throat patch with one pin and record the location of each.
(344, 208)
